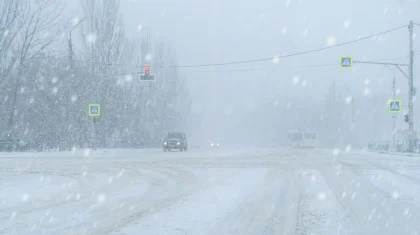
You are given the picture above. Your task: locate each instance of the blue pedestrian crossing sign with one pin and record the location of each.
(94, 110)
(346, 62)
(394, 106)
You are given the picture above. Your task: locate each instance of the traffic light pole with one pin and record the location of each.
(411, 90)
(411, 94)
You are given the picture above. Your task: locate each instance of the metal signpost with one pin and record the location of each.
(394, 107)
(94, 111)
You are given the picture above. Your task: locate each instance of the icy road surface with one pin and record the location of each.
(254, 191)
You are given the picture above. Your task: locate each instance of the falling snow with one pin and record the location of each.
(295, 80)
(349, 99)
(91, 38)
(331, 40)
(101, 198)
(347, 23)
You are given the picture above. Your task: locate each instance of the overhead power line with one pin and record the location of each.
(289, 55)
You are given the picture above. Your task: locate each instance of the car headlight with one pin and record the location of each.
(164, 143)
(178, 143)
(212, 144)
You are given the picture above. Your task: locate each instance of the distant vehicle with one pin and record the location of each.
(175, 140)
(303, 139)
(214, 144)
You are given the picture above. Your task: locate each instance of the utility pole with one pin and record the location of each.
(411, 93)
(71, 62)
(393, 118)
(71, 44)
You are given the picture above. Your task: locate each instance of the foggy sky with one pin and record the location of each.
(215, 31)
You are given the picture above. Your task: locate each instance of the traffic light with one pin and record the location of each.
(406, 118)
(146, 70)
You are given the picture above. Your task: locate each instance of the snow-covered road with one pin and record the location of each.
(251, 191)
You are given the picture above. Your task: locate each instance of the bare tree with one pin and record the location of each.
(39, 25)
(9, 29)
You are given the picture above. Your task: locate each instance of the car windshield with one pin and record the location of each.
(174, 136)
(170, 117)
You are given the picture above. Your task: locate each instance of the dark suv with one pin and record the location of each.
(175, 140)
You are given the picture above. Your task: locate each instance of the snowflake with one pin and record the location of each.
(120, 173)
(54, 90)
(73, 98)
(305, 32)
(54, 80)
(321, 196)
(101, 198)
(348, 148)
(395, 195)
(349, 99)
(366, 91)
(148, 57)
(87, 152)
(295, 79)
(284, 30)
(91, 38)
(276, 60)
(336, 151)
(128, 78)
(347, 23)
(331, 40)
(31, 100)
(139, 27)
(13, 216)
(25, 197)
(75, 21)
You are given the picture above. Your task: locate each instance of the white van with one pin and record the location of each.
(303, 139)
